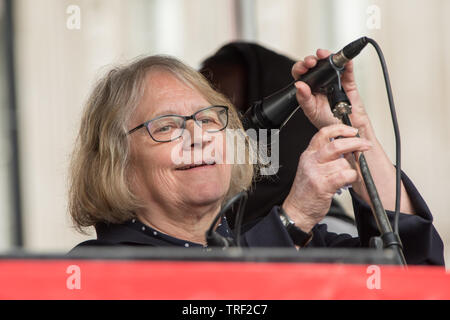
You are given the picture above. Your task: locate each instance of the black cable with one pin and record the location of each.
(396, 132)
(239, 218)
(390, 238)
(212, 237)
(341, 108)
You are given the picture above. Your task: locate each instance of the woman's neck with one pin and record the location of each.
(182, 222)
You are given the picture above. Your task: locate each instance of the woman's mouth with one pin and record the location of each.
(194, 166)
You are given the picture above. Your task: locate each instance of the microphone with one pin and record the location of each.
(275, 110)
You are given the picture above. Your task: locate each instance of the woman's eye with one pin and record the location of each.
(208, 120)
(165, 128)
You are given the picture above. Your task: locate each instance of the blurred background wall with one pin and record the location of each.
(61, 47)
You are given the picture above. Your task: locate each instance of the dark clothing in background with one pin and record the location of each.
(421, 242)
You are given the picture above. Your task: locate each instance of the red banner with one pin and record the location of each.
(168, 280)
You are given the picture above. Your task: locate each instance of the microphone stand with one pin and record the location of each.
(341, 108)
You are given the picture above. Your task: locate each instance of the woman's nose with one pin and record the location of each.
(194, 136)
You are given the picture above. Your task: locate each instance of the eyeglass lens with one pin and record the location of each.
(169, 128)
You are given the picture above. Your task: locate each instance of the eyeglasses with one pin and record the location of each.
(170, 127)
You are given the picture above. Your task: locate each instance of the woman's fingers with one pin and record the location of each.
(327, 133)
(302, 66)
(298, 69)
(341, 179)
(310, 61)
(321, 172)
(338, 147)
(322, 53)
(305, 98)
(334, 166)
(325, 154)
(348, 78)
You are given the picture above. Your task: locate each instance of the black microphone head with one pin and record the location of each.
(273, 111)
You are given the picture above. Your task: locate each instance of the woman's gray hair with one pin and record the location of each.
(99, 186)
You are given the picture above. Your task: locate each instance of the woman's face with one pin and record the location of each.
(158, 175)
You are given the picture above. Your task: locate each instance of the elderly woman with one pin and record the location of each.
(127, 180)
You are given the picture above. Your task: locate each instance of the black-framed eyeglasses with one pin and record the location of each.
(171, 126)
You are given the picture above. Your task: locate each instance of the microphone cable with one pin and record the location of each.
(240, 217)
(215, 239)
(396, 133)
(389, 237)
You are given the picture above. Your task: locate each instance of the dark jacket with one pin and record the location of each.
(421, 242)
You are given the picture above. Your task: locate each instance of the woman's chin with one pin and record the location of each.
(206, 186)
(205, 194)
